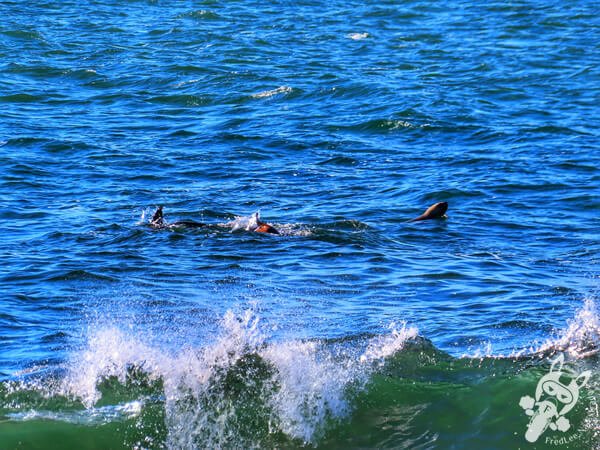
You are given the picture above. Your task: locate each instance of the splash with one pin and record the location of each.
(311, 387)
(247, 223)
(581, 338)
(240, 389)
(294, 229)
(382, 347)
(252, 222)
(110, 353)
(143, 220)
(483, 351)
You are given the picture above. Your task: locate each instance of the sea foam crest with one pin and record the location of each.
(382, 347)
(109, 353)
(581, 337)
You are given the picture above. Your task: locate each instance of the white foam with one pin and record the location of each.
(396, 124)
(297, 229)
(109, 353)
(272, 92)
(142, 220)
(90, 416)
(581, 337)
(184, 83)
(357, 36)
(485, 350)
(382, 347)
(304, 383)
(311, 388)
(247, 223)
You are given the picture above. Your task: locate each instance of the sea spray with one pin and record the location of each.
(241, 388)
(380, 347)
(109, 353)
(579, 339)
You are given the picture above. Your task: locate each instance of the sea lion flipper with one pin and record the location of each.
(157, 218)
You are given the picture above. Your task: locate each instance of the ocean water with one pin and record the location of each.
(338, 121)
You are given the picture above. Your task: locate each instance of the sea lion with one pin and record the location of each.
(265, 228)
(435, 211)
(252, 223)
(158, 221)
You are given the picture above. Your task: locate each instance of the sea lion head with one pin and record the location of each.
(266, 228)
(435, 211)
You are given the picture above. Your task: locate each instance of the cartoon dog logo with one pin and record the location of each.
(553, 400)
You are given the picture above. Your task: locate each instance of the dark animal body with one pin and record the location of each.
(158, 221)
(435, 211)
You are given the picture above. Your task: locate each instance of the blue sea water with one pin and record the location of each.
(339, 121)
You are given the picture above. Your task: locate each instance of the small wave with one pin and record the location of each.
(553, 129)
(92, 416)
(179, 100)
(25, 141)
(25, 35)
(22, 98)
(183, 133)
(381, 125)
(80, 275)
(346, 225)
(339, 161)
(267, 94)
(185, 83)
(357, 36)
(201, 14)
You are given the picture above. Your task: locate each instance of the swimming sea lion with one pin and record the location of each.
(158, 221)
(435, 211)
(265, 228)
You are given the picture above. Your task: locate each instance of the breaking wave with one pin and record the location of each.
(211, 394)
(246, 389)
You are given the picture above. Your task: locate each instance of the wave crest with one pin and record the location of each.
(211, 394)
(581, 338)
